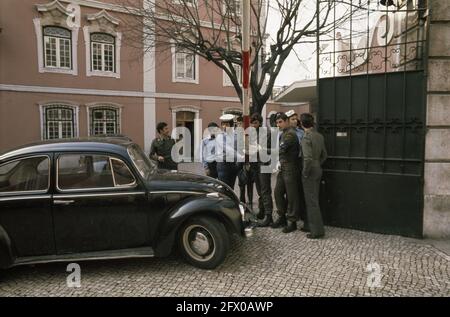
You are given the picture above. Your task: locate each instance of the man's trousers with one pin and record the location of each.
(311, 186)
(287, 192)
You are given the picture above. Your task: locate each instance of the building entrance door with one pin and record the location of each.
(186, 119)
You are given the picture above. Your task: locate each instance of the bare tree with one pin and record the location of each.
(212, 30)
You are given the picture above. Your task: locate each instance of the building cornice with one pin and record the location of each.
(100, 5)
(113, 93)
(133, 11)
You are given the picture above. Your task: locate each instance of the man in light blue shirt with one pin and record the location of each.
(227, 155)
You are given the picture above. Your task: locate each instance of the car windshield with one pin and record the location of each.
(143, 164)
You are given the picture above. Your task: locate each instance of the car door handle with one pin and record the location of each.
(63, 202)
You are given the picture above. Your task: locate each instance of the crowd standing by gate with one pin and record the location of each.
(301, 154)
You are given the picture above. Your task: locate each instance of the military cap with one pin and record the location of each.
(227, 117)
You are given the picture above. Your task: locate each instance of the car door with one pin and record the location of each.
(25, 205)
(99, 205)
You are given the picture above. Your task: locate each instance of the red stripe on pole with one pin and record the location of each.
(246, 69)
(246, 122)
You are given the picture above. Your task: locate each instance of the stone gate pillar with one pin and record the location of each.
(437, 154)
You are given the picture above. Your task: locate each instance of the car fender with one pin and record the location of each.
(223, 209)
(6, 253)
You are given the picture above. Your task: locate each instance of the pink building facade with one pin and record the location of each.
(69, 69)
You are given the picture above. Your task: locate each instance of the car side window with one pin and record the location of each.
(25, 175)
(122, 174)
(84, 171)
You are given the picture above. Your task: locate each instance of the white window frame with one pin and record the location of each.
(227, 80)
(224, 6)
(58, 49)
(175, 79)
(93, 106)
(193, 3)
(90, 72)
(40, 39)
(102, 49)
(74, 108)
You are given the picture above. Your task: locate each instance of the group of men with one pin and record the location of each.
(301, 153)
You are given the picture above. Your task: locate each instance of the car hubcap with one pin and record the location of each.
(199, 243)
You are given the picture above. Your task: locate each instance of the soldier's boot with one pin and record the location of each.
(291, 227)
(267, 221)
(280, 223)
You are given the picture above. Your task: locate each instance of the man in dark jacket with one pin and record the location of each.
(314, 155)
(262, 180)
(287, 179)
(295, 123)
(161, 149)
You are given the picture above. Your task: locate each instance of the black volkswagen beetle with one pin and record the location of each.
(103, 198)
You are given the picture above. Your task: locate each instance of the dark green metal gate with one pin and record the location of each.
(373, 121)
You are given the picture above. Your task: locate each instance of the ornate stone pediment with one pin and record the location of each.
(54, 10)
(103, 18)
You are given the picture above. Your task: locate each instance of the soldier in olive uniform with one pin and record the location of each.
(287, 179)
(161, 149)
(314, 155)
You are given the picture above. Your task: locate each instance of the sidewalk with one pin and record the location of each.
(345, 263)
(268, 264)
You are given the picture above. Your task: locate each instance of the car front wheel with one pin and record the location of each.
(204, 242)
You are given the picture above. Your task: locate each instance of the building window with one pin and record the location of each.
(103, 52)
(232, 6)
(105, 121)
(59, 122)
(226, 78)
(185, 66)
(190, 3)
(57, 47)
(56, 28)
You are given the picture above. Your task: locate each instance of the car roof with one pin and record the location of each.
(116, 145)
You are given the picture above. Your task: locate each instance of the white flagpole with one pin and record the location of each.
(246, 62)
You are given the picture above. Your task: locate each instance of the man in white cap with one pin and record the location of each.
(294, 122)
(227, 151)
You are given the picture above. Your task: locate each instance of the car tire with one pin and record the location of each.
(204, 242)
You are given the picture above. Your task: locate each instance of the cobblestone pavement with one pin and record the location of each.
(268, 264)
